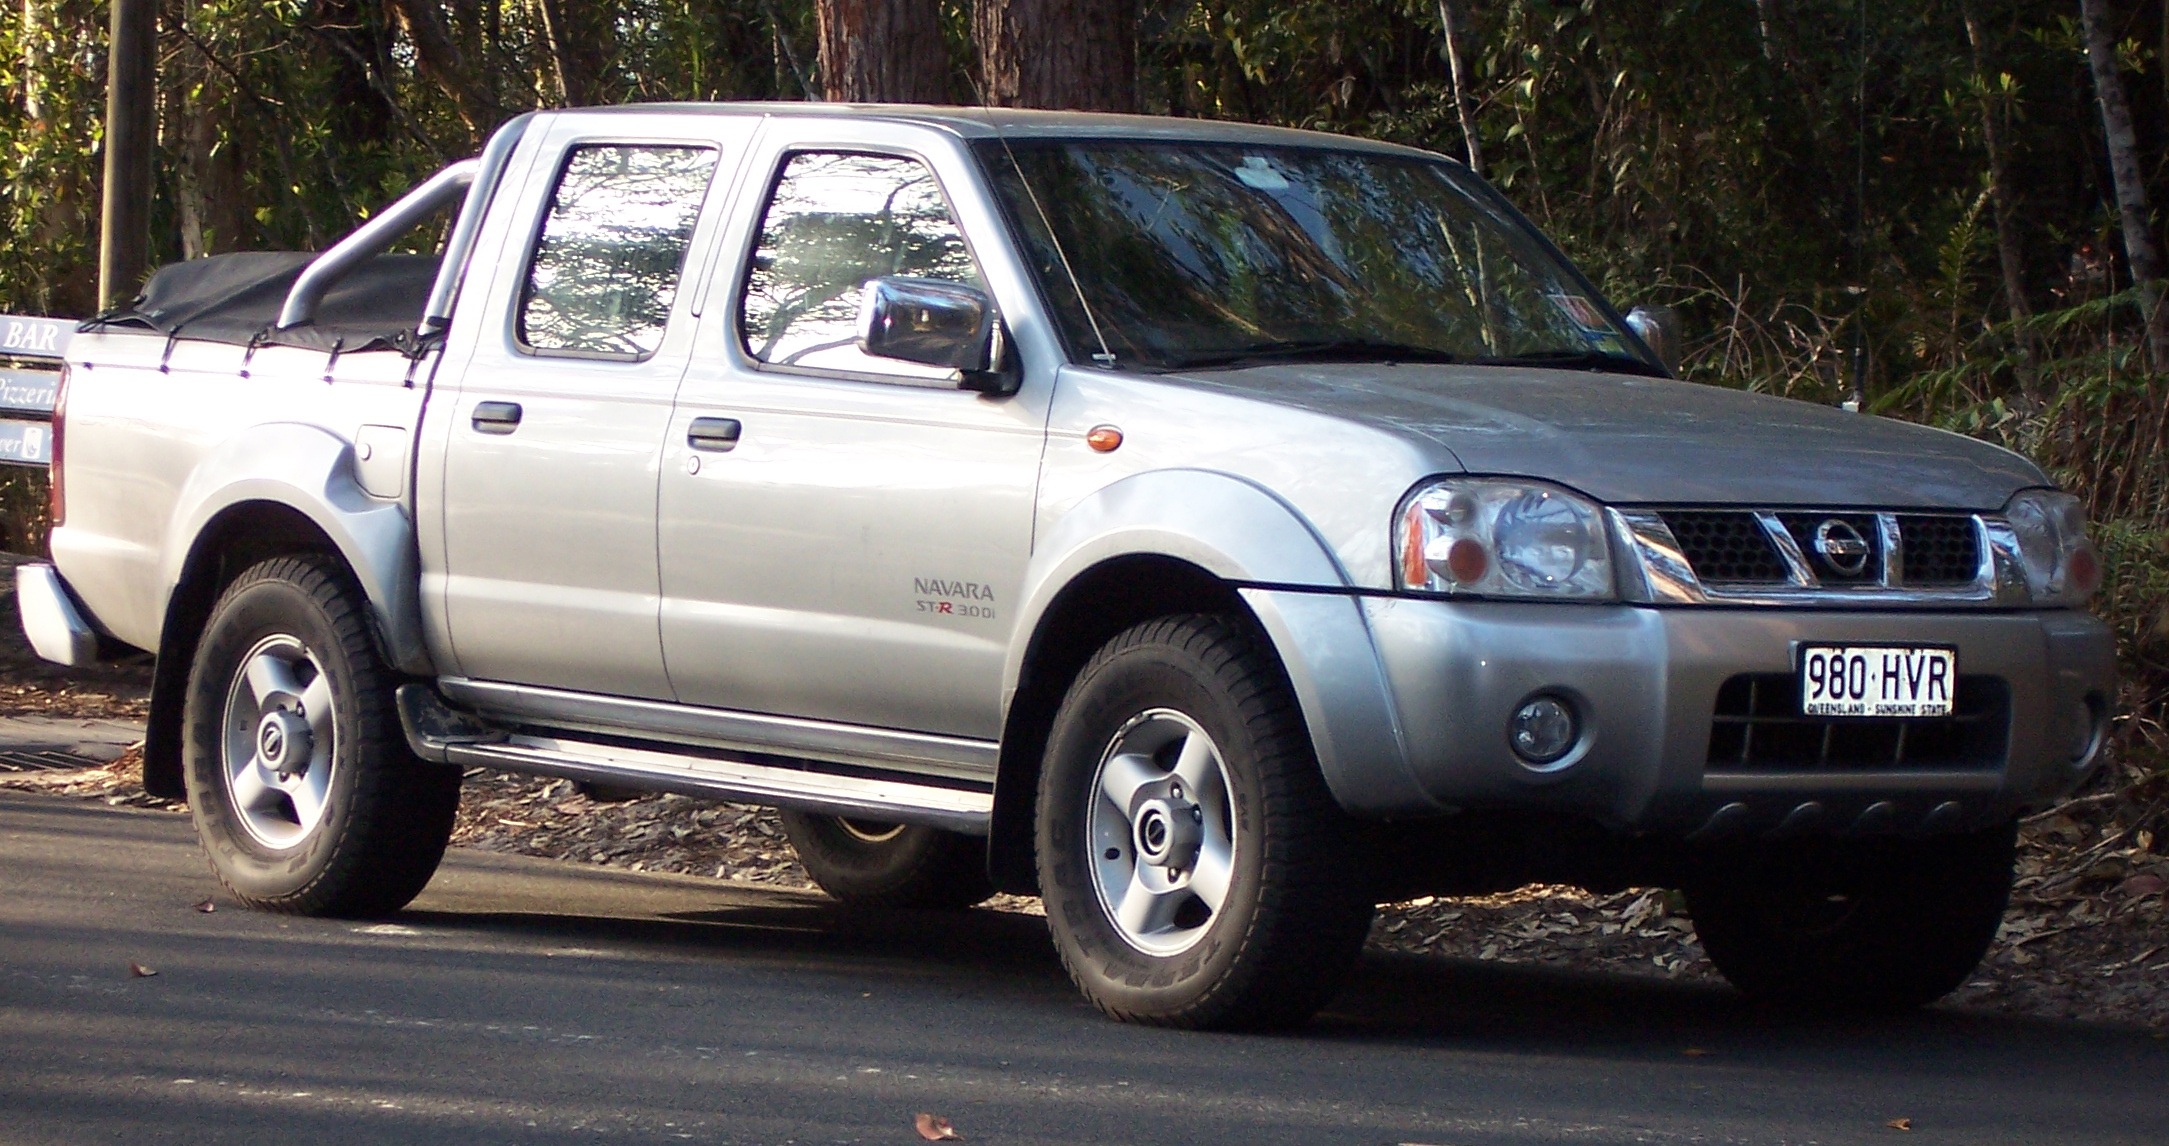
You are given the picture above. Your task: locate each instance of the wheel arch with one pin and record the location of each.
(285, 489)
(1175, 541)
(1090, 610)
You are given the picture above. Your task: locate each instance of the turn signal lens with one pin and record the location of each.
(1467, 561)
(1105, 439)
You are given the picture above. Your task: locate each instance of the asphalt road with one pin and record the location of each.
(522, 1001)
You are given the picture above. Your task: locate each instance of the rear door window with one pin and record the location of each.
(612, 248)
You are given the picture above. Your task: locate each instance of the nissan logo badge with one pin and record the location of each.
(1841, 546)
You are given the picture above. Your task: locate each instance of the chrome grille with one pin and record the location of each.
(1939, 550)
(1726, 546)
(1795, 556)
(1758, 727)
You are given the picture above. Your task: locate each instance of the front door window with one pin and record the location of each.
(835, 220)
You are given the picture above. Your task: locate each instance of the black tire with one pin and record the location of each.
(1829, 925)
(869, 864)
(1291, 918)
(363, 823)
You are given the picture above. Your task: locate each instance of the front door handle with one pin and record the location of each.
(496, 417)
(717, 435)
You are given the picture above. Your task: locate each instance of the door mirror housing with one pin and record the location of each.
(1658, 328)
(936, 323)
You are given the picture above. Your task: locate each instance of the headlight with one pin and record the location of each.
(1490, 537)
(2061, 565)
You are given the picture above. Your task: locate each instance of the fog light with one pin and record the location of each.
(1543, 730)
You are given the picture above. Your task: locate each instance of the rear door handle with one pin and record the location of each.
(496, 417)
(717, 435)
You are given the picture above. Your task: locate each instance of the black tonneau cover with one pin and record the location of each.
(236, 298)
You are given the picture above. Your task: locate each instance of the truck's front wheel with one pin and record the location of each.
(1195, 870)
(1854, 924)
(302, 788)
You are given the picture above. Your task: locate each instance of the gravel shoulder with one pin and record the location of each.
(2086, 937)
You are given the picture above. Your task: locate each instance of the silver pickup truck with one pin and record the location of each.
(1213, 529)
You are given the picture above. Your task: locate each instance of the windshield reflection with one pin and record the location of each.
(1200, 255)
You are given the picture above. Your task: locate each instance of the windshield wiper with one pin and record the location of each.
(1576, 360)
(1312, 350)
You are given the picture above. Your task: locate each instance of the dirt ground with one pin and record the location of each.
(2086, 937)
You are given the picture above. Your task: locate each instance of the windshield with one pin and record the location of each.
(1198, 255)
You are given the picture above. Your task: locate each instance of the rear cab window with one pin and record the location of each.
(612, 249)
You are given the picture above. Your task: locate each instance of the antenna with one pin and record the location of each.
(1106, 356)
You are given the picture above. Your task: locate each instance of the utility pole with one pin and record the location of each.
(124, 246)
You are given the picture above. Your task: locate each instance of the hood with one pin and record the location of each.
(1629, 440)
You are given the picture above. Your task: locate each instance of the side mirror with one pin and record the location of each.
(935, 323)
(1658, 328)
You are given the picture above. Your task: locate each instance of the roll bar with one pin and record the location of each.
(476, 178)
(453, 270)
(370, 239)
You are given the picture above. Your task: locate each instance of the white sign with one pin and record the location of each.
(26, 443)
(33, 390)
(35, 337)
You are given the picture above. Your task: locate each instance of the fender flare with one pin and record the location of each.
(310, 470)
(1290, 579)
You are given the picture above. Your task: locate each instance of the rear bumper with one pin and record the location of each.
(1646, 684)
(51, 618)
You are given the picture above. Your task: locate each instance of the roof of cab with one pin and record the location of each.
(1024, 123)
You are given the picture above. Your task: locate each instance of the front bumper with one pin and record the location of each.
(1646, 682)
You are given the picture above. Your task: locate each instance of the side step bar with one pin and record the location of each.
(438, 733)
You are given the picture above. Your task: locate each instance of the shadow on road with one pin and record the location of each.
(1390, 998)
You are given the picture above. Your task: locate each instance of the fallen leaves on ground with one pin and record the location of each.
(139, 971)
(119, 784)
(207, 906)
(1900, 1124)
(934, 1128)
(2086, 937)
(503, 812)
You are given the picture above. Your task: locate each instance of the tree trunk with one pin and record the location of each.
(2139, 247)
(1075, 54)
(788, 70)
(1765, 20)
(882, 51)
(576, 33)
(439, 59)
(1461, 95)
(32, 37)
(1999, 195)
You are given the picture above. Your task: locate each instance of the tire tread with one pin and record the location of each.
(1309, 924)
(401, 810)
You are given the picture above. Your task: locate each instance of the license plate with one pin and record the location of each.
(1877, 680)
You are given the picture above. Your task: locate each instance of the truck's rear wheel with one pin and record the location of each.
(302, 788)
(866, 863)
(1196, 871)
(1879, 925)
